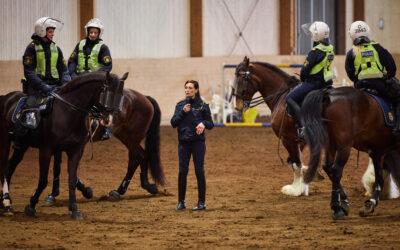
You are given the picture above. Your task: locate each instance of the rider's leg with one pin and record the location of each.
(107, 134)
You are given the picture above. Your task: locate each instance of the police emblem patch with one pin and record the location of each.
(73, 55)
(107, 59)
(28, 60)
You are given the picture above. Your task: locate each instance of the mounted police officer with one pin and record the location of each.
(316, 72)
(370, 66)
(44, 70)
(90, 55)
(192, 116)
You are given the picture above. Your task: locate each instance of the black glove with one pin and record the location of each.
(46, 88)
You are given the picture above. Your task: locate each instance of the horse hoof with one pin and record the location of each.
(8, 211)
(76, 215)
(114, 195)
(30, 211)
(50, 200)
(368, 209)
(88, 193)
(339, 215)
(345, 207)
(152, 189)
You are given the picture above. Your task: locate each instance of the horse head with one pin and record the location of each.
(111, 98)
(243, 90)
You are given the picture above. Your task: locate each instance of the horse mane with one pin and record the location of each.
(83, 79)
(293, 79)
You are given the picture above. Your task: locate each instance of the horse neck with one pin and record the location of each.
(84, 96)
(269, 84)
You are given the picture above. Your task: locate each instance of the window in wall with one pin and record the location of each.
(309, 11)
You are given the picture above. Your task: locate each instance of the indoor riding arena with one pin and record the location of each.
(250, 184)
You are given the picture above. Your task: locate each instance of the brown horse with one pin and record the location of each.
(65, 129)
(335, 121)
(140, 117)
(273, 85)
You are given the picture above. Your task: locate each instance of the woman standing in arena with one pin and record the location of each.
(191, 117)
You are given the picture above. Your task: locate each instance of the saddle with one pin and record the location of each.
(387, 108)
(29, 110)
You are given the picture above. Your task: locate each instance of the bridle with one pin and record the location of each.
(108, 101)
(253, 102)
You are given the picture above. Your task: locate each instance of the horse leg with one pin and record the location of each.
(74, 156)
(51, 198)
(132, 166)
(144, 180)
(5, 174)
(44, 162)
(371, 204)
(298, 187)
(339, 203)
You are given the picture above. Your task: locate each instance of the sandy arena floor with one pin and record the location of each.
(245, 208)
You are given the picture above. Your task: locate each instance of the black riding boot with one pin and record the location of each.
(293, 110)
(201, 186)
(181, 192)
(396, 129)
(107, 134)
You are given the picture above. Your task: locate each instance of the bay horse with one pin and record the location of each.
(65, 129)
(335, 121)
(140, 117)
(273, 84)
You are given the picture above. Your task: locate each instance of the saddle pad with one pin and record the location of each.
(18, 109)
(388, 113)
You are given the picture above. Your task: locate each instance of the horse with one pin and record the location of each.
(65, 129)
(273, 85)
(140, 117)
(338, 119)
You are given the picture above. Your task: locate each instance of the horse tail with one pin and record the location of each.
(315, 133)
(152, 149)
(391, 163)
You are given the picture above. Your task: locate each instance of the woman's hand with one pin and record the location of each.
(186, 108)
(200, 128)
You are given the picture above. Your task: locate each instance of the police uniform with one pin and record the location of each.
(89, 56)
(44, 68)
(316, 72)
(191, 143)
(373, 68)
(367, 68)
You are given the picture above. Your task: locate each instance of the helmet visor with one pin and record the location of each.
(306, 28)
(53, 23)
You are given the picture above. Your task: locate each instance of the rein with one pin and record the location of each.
(72, 106)
(260, 100)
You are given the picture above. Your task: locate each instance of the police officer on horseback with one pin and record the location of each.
(372, 67)
(44, 70)
(316, 72)
(90, 55)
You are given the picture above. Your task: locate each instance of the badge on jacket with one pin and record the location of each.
(73, 55)
(28, 60)
(107, 59)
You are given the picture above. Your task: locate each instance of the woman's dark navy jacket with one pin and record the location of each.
(187, 122)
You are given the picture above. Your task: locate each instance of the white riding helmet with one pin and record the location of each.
(47, 22)
(95, 23)
(319, 31)
(359, 29)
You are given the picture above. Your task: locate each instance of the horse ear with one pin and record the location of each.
(247, 60)
(123, 78)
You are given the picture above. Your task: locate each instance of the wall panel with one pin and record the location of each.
(17, 19)
(145, 29)
(221, 35)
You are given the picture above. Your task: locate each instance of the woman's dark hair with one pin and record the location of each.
(196, 86)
